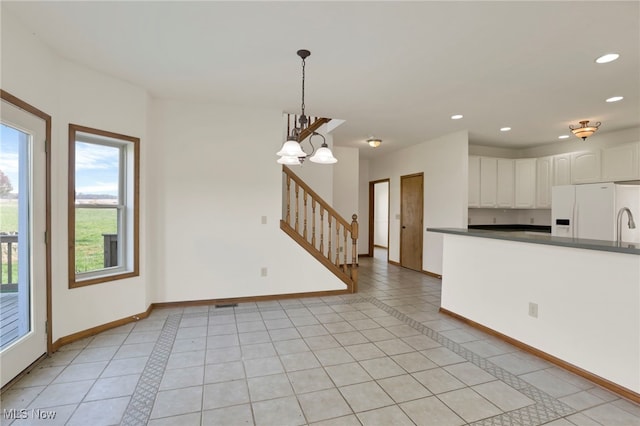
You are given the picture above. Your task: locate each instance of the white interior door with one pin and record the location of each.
(22, 233)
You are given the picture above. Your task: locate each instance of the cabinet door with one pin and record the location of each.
(585, 167)
(543, 182)
(504, 196)
(562, 169)
(525, 170)
(488, 181)
(620, 162)
(474, 181)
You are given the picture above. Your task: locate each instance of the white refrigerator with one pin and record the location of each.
(590, 211)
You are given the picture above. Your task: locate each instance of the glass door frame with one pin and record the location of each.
(17, 102)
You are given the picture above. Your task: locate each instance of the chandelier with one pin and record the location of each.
(585, 129)
(291, 152)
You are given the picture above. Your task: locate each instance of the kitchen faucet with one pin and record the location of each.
(631, 224)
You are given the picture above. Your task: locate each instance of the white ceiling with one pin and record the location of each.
(393, 70)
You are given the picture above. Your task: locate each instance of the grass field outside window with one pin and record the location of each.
(90, 225)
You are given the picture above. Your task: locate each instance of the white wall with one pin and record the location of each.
(73, 94)
(444, 162)
(597, 141)
(492, 151)
(573, 144)
(207, 207)
(567, 284)
(363, 204)
(345, 182)
(200, 203)
(381, 214)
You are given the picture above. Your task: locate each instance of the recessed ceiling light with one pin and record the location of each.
(505, 129)
(615, 99)
(456, 117)
(563, 137)
(609, 57)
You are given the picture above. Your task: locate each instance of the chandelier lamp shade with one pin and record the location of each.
(585, 129)
(291, 153)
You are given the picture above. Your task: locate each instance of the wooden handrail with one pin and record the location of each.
(347, 272)
(313, 125)
(9, 240)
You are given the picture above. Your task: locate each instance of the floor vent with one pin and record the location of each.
(228, 305)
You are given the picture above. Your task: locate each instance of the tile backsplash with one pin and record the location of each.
(510, 217)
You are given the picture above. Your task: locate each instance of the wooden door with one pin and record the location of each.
(411, 211)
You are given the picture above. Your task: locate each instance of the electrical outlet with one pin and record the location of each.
(533, 310)
(263, 271)
(531, 221)
(264, 220)
(494, 220)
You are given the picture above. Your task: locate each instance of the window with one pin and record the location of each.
(103, 206)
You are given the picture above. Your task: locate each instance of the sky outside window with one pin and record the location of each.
(97, 168)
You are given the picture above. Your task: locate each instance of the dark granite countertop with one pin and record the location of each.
(514, 228)
(543, 238)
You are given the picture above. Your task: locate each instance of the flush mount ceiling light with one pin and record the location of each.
(609, 57)
(585, 129)
(291, 152)
(374, 142)
(614, 99)
(505, 129)
(456, 116)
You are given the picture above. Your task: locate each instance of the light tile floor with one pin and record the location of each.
(384, 356)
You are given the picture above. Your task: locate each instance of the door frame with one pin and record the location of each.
(372, 204)
(421, 174)
(19, 103)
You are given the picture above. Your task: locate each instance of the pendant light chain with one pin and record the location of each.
(291, 153)
(303, 117)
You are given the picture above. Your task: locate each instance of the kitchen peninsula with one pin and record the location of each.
(575, 301)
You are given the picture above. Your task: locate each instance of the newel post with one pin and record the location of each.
(354, 252)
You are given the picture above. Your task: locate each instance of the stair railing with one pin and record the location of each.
(313, 124)
(317, 227)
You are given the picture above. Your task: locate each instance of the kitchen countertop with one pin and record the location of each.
(543, 238)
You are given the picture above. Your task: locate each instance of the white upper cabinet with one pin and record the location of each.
(474, 181)
(526, 183)
(562, 169)
(488, 181)
(620, 163)
(585, 167)
(544, 166)
(525, 171)
(505, 187)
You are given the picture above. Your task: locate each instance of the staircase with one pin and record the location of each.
(313, 125)
(319, 229)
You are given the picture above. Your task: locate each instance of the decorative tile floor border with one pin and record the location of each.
(139, 409)
(545, 409)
